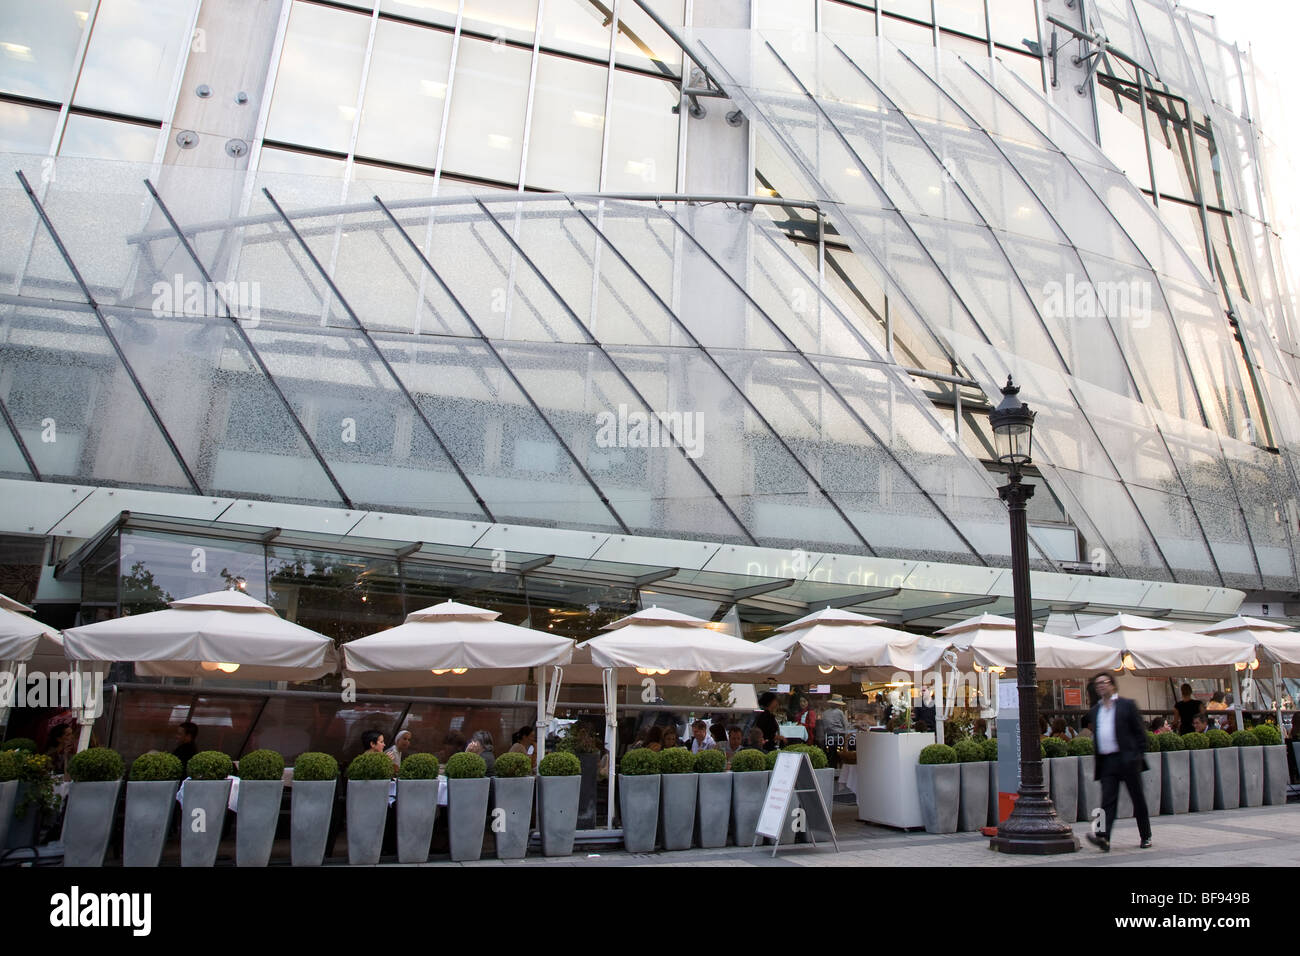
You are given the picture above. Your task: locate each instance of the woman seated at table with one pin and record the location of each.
(670, 738)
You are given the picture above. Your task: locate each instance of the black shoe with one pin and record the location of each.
(1145, 844)
(1100, 842)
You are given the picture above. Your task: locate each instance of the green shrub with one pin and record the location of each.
(209, 765)
(676, 760)
(261, 765)
(710, 761)
(990, 747)
(1170, 742)
(748, 760)
(465, 766)
(1153, 743)
(1269, 736)
(1056, 747)
(1195, 741)
(370, 766)
(97, 763)
(818, 757)
(157, 767)
(1245, 738)
(969, 751)
(638, 762)
(9, 765)
(35, 770)
(559, 764)
(1218, 738)
(769, 759)
(419, 767)
(315, 766)
(579, 739)
(513, 765)
(20, 743)
(938, 753)
(1082, 747)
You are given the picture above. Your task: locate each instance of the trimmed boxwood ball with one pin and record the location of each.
(157, 767)
(1170, 741)
(1268, 735)
(315, 766)
(710, 761)
(261, 765)
(20, 743)
(1195, 741)
(1218, 738)
(990, 747)
(937, 753)
(969, 751)
(419, 767)
(561, 764)
(676, 760)
(209, 765)
(770, 759)
(97, 763)
(370, 766)
(465, 766)
(1153, 742)
(1245, 738)
(748, 760)
(1082, 747)
(639, 762)
(1056, 747)
(10, 765)
(513, 765)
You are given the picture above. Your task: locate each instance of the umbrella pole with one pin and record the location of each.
(1277, 694)
(1236, 698)
(611, 738)
(539, 675)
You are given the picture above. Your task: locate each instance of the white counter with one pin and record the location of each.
(886, 778)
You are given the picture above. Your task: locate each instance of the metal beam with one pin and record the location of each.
(408, 550)
(651, 577)
(740, 594)
(534, 563)
(18, 440)
(933, 610)
(851, 600)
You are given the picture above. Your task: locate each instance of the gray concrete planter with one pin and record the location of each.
(826, 784)
(311, 810)
(1089, 792)
(939, 792)
(1227, 778)
(417, 811)
(1276, 774)
(1151, 779)
(1176, 781)
(748, 790)
(24, 830)
(992, 819)
(1252, 776)
(1065, 787)
(1200, 796)
(973, 811)
(638, 809)
(467, 805)
(201, 832)
(514, 795)
(558, 810)
(8, 800)
(587, 794)
(88, 823)
(256, 816)
(713, 809)
(367, 814)
(149, 808)
(677, 802)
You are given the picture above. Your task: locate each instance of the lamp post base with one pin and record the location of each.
(1033, 828)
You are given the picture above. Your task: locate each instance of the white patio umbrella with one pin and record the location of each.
(988, 643)
(1273, 643)
(1149, 646)
(21, 638)
(454, 643)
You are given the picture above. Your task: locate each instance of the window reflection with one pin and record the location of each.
(38, 46)
(486, 127)
(568, 125)
(90, 137)
(26, 129)
(159, 569)
(340, 595)
(640, 41)
(133, 54)
(406, 88)
(643, 135)
(576, 26)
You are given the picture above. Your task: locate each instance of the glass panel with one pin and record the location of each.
(500, 19)
(840, 18)
(406, 88)
(299, 179)
(964, 46)
(1121, 133)
(315, 100)
(784, 15)
(132, 57)
(967, 16)
(1028, 68)
(38, 46)
(343, 596)
(568, 125)
(643, 139)
(89, 137)
(158, 569)
(430, 11)
(295, 726)
(1013, 21)
(485, 129)
(642, 44)
(576, 26)
(26, 129)
(916, 9)
(906, 33)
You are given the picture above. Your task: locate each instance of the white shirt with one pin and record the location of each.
(709, 744)
(1107, 742)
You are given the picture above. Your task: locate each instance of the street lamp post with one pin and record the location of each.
(1033, 826)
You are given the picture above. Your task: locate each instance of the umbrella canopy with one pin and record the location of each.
(452, 643)
(1273, 643)
(989, 642)
(221, 634)
(20, 635)
(1151, 647)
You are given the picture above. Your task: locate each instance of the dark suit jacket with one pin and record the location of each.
(1130, 733)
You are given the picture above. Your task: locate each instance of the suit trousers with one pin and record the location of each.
(1113, 769)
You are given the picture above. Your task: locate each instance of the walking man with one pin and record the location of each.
(1121, 740)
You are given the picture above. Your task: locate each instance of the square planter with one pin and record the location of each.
(1252, 775)
(149, 808)
(1151, 779)
(203, 817)
(1176, 781)
(638, 809)
(1089, 793)
(417, 811)
(1200, 795)
(310, 814)
(588, 792)
(367, 814)
(748, 790)
(256, 816)
(713, 809)
(8, 800)
(467, 805)
(939, 793)
(677, 809)
(559, 801)
(88, 823)
(1276, 774)
(511, 827)
(1227, 778)
(24, 831)
(1065, 787)
(973, 810)
(992, 819)
(826, 784)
